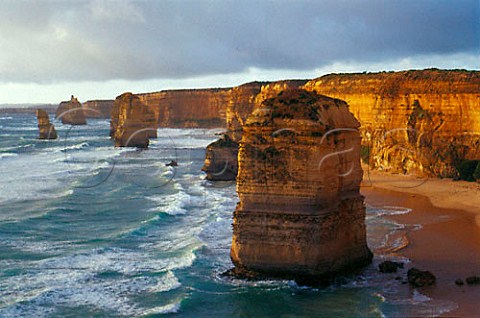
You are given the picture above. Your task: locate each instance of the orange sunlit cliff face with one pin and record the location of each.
(421, 122)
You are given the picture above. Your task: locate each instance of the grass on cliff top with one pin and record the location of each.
(299, 104)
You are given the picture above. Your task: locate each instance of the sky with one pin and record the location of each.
(98, 49)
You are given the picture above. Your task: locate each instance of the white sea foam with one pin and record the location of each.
(167, 309)
(7, 155)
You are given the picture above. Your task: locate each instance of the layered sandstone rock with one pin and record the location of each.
(221, 160)
(98, 108)
(300, 213)
(423, 122)
(188, 108)
(45, 128)
(135, 122)
(241, 102)
(71, 112)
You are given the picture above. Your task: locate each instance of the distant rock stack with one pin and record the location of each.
(71, 112)
(300, 214)
(135, 123)
(45, 128)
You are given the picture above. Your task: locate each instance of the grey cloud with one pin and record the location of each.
(55, 41)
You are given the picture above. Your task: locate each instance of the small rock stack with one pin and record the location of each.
(45, 128)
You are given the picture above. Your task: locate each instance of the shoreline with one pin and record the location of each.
(448, 241)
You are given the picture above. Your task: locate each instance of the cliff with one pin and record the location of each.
(221, 161)
(194, 108)
(135, 122)
(203, 108)
(243, 98)
(300, 213)
(98, 108)
(71, 112)
(423, 122)
(45, 129)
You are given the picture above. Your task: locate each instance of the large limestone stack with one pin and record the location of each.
(135, 122)
(423, 122)
(71, 112)
(45, 128)
(300, 213)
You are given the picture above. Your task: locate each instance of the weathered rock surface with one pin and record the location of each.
(45, 128)
(98, 108)
(221, 160)
(300, 213)
(71, 112)
(242, 100)
(188, 108)
(136, 123)
(422, 122)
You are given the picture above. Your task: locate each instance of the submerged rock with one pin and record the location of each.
(71, 112)
(459, 282)
(300, 213)
(46, 130)
(418, 278)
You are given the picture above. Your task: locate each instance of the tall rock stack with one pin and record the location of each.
(300, 213)
(45, 128)
(71, 112)
(135, 122)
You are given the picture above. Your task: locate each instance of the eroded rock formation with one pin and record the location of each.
(300, 213)
(221, 160)
(220, 155)
(45, 128)
(135, 122)
(188, 108)
(98, 108)
(71, 112)
(423, 122)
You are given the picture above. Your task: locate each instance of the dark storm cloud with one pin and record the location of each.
(53, 41)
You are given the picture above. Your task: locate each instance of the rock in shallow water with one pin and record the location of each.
(389, 266)
(418, 278)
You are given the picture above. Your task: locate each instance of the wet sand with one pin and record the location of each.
(448, 243)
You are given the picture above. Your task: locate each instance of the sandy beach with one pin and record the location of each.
(448, 242)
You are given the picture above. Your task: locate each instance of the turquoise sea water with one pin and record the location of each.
(89, 230)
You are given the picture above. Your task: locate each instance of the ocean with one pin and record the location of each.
(90, 230)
